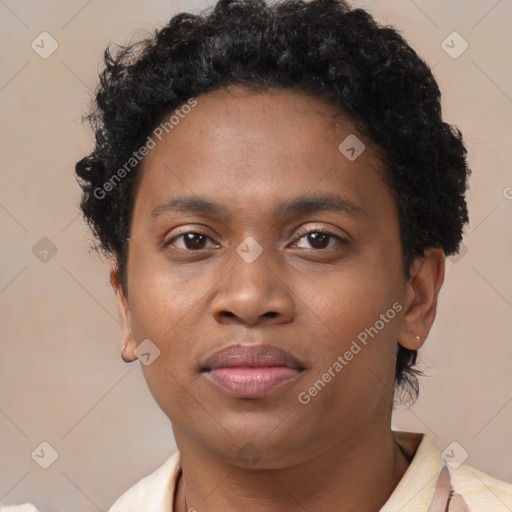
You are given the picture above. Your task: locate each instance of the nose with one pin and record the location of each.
(252, 293)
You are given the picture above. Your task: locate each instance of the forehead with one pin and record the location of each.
(245, 147)
(226, 110)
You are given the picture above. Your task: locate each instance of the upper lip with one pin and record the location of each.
(254, 356)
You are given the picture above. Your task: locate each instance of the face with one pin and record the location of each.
(251, 227)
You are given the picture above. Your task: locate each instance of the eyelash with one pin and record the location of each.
(339, 239)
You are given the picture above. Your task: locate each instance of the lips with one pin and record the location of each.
(251, 371)
(251, 356)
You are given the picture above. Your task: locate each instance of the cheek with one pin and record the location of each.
(357, 318)
(354, 349)
(355, 298)
(163, 299)
(167, 309)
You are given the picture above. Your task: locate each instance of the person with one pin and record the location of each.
(277, 191)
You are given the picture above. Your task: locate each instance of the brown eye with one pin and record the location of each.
(194, 240)
(318, 240)
(321, 239)
(190, 241)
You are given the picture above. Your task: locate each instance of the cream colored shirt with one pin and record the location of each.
(476, 490)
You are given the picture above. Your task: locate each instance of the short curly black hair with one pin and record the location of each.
(323, 47)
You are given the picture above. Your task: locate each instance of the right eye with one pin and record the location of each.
(190, 241)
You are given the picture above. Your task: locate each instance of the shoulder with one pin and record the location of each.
(474, 490)
(482, 492)
(153, 493)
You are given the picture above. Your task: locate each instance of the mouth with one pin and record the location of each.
(251, 371)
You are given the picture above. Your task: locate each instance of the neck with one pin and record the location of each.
(359, 473)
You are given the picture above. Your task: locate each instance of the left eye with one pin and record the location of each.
(320, 239)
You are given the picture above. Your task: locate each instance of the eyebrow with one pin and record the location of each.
(299, 205)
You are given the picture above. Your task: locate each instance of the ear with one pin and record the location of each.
(128, 343)
(422, 289)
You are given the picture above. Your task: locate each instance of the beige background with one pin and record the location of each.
(62, 380)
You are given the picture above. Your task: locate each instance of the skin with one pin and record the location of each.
(248, 152)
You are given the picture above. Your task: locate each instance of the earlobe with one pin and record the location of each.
(127, 354)
(422, 291)
(128, 343)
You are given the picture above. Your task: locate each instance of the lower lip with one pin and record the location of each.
(252, 382)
